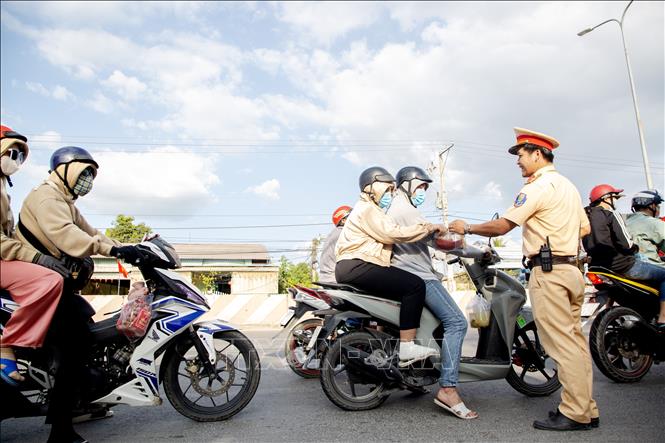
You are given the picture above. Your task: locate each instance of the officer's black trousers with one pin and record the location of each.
(386, 282)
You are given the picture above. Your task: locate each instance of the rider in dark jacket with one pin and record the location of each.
(610, 245)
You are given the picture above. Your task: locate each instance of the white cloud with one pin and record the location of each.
(326, 21)
(59, 92)
(492, 190)
(38, 88)
(101, 103)
(129, 88)
(268, 189)
(155, 181)
(47, 140)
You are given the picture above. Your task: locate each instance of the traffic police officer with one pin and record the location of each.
(549, 209)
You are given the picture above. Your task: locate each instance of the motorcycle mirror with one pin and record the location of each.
(494, 217)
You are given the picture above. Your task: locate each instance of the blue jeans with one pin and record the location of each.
(642, 270)
(442, 305)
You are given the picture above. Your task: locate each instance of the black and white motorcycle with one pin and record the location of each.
(208, 370)
(359, 367)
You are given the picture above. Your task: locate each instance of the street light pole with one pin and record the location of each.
(640, 130)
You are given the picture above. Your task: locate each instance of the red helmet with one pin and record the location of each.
(7, 132)
(340, 214)
(601, 191)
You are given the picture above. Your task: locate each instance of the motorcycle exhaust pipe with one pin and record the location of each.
(363, 364)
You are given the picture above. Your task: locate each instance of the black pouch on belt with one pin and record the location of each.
(545, 256)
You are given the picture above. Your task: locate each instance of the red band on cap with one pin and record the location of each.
(535, 141)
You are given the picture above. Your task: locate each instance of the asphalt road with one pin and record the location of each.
(287, 408)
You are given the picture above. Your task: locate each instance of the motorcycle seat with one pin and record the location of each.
(644, 285)
(340, 286)
(105, 329)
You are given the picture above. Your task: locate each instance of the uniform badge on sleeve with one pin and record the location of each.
(520, 199)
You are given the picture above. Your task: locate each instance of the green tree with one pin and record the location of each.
(293, 274)
(125, 231)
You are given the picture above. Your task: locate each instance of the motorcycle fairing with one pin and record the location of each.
(144, 389)
(206, 331)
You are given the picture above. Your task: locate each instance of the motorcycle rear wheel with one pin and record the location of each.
(339, 384)
(607, 341)
(294, 347)
(204, 398)
(538, 376)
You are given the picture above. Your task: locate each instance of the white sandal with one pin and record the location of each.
(459, 410)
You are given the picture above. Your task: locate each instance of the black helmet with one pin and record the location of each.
(646, 198)
(408, 173)
(374, 174)
(70, 154)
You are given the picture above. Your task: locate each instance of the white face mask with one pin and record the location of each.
(9, 166)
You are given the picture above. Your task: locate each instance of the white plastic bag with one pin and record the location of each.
(478, 311)
(136, 312)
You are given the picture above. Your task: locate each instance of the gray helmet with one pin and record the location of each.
(374, 174)
(409, 173)
(646, 198)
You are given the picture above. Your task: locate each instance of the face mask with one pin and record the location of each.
(419, 198)
(84, 183)
(386, 200)
(8, 165)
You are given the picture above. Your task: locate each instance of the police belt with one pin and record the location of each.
(556, 260)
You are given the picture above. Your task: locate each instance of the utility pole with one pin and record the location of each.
(314, 257)
(442, 194)
(442, 199)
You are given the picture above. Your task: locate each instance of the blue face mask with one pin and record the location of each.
(386, 200)
(419, 198)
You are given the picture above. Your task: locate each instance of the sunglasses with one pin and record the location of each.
(16, 154)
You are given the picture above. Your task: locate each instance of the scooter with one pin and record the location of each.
(623, 339)
(359, 369)
(300, 332)
(208, 370)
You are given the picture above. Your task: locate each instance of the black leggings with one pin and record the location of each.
(391, 283)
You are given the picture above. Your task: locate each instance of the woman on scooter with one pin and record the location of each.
(24, 272)
(363, 254)
(412, 182)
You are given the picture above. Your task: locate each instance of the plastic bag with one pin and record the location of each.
(136, 312)
(449, 241)
(479, 310)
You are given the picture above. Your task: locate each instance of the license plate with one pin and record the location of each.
(286, 318)
(312, 341)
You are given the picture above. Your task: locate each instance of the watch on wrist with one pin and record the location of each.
(467, 228)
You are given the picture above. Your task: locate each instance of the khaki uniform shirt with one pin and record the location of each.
(549, 205)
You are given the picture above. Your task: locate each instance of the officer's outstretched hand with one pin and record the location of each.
(53, 264)
(129, 254)
(457, 226)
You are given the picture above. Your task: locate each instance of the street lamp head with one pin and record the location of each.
(586, 31)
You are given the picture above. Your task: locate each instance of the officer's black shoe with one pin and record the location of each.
(595, 421)
(559, 422)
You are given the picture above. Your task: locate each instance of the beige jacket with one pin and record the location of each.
(11, 248)
(49, 213)
(369, 234)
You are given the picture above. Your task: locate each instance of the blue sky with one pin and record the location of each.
(213, 115)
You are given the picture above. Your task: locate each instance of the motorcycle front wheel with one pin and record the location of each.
(613, 350)
(294, 347)
(532, 372)
(204, 396)
(347, 390)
